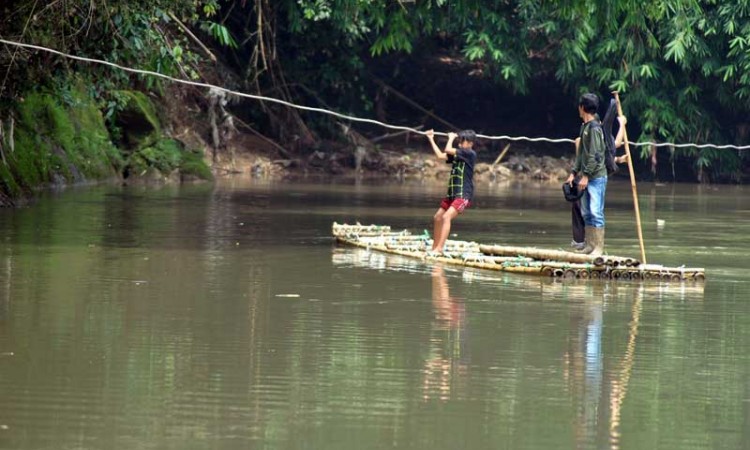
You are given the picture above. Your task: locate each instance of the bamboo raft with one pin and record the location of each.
(530, 260)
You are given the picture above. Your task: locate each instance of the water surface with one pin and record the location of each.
(224, 317)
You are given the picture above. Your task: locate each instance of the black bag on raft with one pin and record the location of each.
(572, 193)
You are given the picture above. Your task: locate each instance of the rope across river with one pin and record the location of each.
(337, 114)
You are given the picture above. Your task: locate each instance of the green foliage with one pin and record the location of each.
(30, 165)
(684, 65)
(131, 33)
(220, 33)
(8, 184)
(61, 133)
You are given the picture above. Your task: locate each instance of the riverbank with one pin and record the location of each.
(188, 135)
(389, 164)
(232, 146)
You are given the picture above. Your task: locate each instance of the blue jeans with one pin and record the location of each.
(592, 202)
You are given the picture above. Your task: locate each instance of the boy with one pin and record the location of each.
(460, 183)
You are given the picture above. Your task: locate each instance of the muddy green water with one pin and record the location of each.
(224, 317)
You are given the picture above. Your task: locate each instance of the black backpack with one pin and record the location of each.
(609, 139)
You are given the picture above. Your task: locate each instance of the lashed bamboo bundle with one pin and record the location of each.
(664, 269)
(408, 238)
(365, 233)
(481, 257)
(451, 250)
(412, 247)
(556, 255)
(342, 229)
(358, 242)
(371, 240)
(519, 269)
(554, 263)
(656, 271)
(482, 265)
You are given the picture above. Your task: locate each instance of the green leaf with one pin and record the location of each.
(675, 51)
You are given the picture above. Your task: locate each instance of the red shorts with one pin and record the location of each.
(459, 204)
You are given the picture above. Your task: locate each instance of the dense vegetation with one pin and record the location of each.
(683, 66)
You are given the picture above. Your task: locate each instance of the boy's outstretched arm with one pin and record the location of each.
(449, 149)
(620, 139)
(439, 153)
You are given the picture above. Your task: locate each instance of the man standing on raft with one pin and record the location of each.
(460, 184)
(591, 169)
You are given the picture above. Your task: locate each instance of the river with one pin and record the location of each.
(224, 316)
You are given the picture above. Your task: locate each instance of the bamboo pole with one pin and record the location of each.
(284, 152)
(554, 265)
(632, 181)
(500, 158)
(358, 228)
(533, 270)
(11, 142)
(413, 103)
(372, 241)
(503, 259)
(556, 255)
(2, 154)
(193, 37)
(483, 265)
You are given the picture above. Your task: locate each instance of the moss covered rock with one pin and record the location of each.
(167, 156)
(57, 139)
(145, 146)
(137, 120)
(60, 136)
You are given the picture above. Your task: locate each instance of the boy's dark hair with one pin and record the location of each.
(467, 135)
(589, 102)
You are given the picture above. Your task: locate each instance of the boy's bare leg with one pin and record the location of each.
(437, 220)
(445, 228)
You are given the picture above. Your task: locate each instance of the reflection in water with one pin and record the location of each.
(122, 213)
(6, 268)
(622, 375)
(447, 363)
(359, 257)
(597, 392)
(6, 272)
(583, 362)
(548, 288)
(584, 365)
(585, 371)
